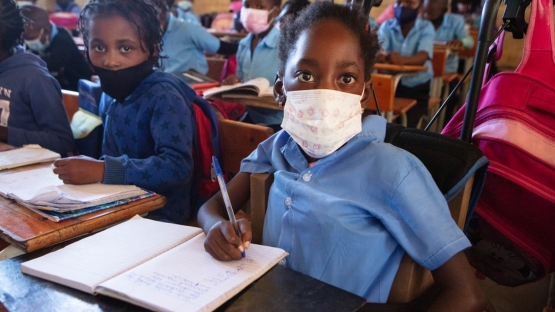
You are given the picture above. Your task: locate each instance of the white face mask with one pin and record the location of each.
(322, 120)
(255, 21)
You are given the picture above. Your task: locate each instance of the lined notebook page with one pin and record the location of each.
(86, 263)
(29, 181)
(187, 278)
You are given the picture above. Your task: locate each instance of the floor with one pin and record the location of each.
(531, 297)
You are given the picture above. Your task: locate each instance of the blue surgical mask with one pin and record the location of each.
(36, 45)
(405, 15)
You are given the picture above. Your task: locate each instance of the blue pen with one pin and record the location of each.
(225, 195)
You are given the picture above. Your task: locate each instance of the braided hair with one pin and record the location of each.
(11, 25)
(352, 18)
(141, 13)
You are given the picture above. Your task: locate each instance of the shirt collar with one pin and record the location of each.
(171, 22)
(373, 130)
(54, 32)
(270, 40)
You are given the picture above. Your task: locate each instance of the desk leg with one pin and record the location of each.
(10, 252)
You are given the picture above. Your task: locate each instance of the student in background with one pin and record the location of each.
(345, 212)
(56, 47)
(449, 28)
(67, 6)
(184, 11)
(366, 6)
(185, 43)
(147, 116)
(31, 109)
(257, 54)
(471, 10)
(409, 40)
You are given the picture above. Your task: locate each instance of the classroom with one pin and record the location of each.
(277, 155)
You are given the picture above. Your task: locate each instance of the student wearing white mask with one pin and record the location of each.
(56, 47)
(257, 54)
(346, 213)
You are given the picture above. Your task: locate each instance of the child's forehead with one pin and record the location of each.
(411, 3)
(114, 25)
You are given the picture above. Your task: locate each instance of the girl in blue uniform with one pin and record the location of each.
(345, 205)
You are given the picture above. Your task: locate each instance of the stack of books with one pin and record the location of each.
(42, 191)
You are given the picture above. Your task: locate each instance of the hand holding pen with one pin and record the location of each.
(229, 208)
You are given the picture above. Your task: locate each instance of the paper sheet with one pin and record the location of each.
(29, 154)
(187, 278)
(85, 264)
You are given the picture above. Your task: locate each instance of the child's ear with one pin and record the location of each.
(367, 94)
(279, 92)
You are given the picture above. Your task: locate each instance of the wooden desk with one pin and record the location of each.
(280, 289)
(400, 68)
(29, 231)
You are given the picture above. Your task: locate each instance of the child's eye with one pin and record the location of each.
(348, 79)
(98, 48)
(305, 77)
(125, 49)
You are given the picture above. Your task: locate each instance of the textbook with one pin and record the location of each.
(42, 189)
(258, 87)
(26, 155)
(155, 265)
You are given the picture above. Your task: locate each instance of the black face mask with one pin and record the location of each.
(119, 84)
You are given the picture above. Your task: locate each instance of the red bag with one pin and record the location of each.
(513, 232)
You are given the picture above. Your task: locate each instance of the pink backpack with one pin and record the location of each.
(513, 228)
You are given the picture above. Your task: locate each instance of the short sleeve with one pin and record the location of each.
(461, 32)
(203, 39)
(420, 220)
(383, 37)
(426, 40)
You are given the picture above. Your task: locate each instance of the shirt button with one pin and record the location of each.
(288, 202)
(307, 176)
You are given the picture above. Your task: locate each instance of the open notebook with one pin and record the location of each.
(258, 87)
(42, 189)
(26, 155)
(156, 265)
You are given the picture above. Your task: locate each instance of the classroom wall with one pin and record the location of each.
(512, 48)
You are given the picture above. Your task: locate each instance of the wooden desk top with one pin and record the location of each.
(30, 231)
(400, 68)
(280, 289)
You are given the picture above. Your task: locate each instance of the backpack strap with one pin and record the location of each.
(537, 56)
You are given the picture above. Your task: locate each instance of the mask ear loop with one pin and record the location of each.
(375, 99)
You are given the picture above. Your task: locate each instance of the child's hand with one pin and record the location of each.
(222, 243)
(455, 44)
(394, 58)
(79, 170)
(231, 79)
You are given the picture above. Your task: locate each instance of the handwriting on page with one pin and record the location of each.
(181, 287)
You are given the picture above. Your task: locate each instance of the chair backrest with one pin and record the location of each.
(71, 102)
(239, 139)
(384, 86)
(453, 169)
(439, 61)
(470, 53)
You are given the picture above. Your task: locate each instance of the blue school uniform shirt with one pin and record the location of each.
(350, 218)
(185, 44)
(419, 38)
(452, 28)
(262, 63)
(148, 142)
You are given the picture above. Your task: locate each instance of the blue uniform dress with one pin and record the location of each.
(185, 44)
(262, 63)
(452, 28)
(148, 142)
(349, 219)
